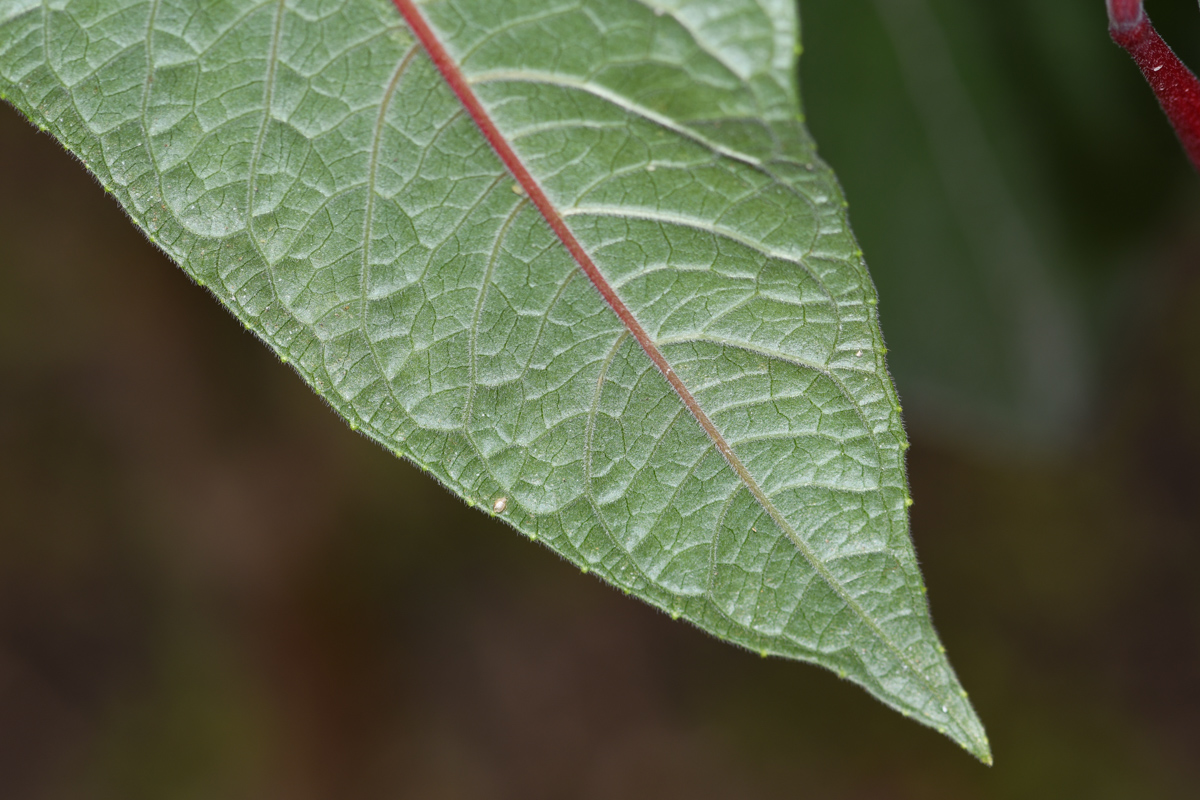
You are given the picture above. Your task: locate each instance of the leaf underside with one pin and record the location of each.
(704, 419)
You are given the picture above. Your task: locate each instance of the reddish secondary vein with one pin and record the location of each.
(466, 95)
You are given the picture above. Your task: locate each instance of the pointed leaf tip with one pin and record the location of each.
(659, 354)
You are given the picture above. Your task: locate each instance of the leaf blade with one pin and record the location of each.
(742, 452)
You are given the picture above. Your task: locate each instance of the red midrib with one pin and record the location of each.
(458, 84)
(466, 95)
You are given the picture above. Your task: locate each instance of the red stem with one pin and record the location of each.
(1175, 86)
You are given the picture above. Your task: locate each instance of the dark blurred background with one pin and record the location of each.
(211, 588)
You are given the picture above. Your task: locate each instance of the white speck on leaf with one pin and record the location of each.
(500, 504)
(858, 354)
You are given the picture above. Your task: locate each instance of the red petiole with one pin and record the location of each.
(1175, 86)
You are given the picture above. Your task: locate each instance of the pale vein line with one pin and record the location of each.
(623, 103)
(31, 10)
(658, 11)
(780, 356)
(511, 26)
(251, 183)
(664, 218)
(593, 410)
(709, 589)
(372, 176)
(670, 501)
(154, 6)
(537, 340)
(484, 286)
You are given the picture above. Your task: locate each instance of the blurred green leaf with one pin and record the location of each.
(306, 161)
(981, 308)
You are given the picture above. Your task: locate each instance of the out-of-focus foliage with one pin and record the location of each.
(1003, 165)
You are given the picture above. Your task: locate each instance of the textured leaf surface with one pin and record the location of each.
(631, 320)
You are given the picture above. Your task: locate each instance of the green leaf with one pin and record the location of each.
(585, 269)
